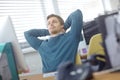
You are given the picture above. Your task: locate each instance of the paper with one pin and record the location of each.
(50, 74)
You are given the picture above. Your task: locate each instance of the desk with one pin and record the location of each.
(36, 77)
(107, 76)
(97, 76)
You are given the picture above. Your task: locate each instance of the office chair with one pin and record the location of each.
(96, 54)
(95, 45)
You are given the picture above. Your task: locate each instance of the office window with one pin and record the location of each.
(25, 14)
(28, 14)
(89, 8)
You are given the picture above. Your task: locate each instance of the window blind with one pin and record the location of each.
(28, 14)
(25, 14)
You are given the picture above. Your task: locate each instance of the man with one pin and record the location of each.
(61, 46)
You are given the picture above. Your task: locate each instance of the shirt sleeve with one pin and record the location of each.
(32, 37)
(75, 21)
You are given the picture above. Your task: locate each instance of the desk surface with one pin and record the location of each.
(97, 76)
(107, 76)
(36, 77)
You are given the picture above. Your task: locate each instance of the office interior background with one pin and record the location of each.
(29, 14)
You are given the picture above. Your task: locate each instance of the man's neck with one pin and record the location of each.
(54, 35)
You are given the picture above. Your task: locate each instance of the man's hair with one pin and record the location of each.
(57, 16)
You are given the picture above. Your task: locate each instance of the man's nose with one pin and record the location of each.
(51, 24)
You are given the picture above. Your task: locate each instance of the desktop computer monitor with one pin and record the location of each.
(7, 34)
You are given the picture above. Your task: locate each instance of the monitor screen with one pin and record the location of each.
(7, 34)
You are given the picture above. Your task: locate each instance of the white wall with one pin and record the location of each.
(114, 4)
(110, 5)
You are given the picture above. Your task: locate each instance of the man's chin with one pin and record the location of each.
(53, 32)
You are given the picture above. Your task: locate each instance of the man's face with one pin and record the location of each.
(54, 25)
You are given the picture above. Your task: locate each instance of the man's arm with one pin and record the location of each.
(32, 37)
(75, 21)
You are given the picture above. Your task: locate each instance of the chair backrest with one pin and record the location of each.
(95, 48)
(95, 45)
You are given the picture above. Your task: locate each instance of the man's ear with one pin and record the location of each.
(63, 30)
